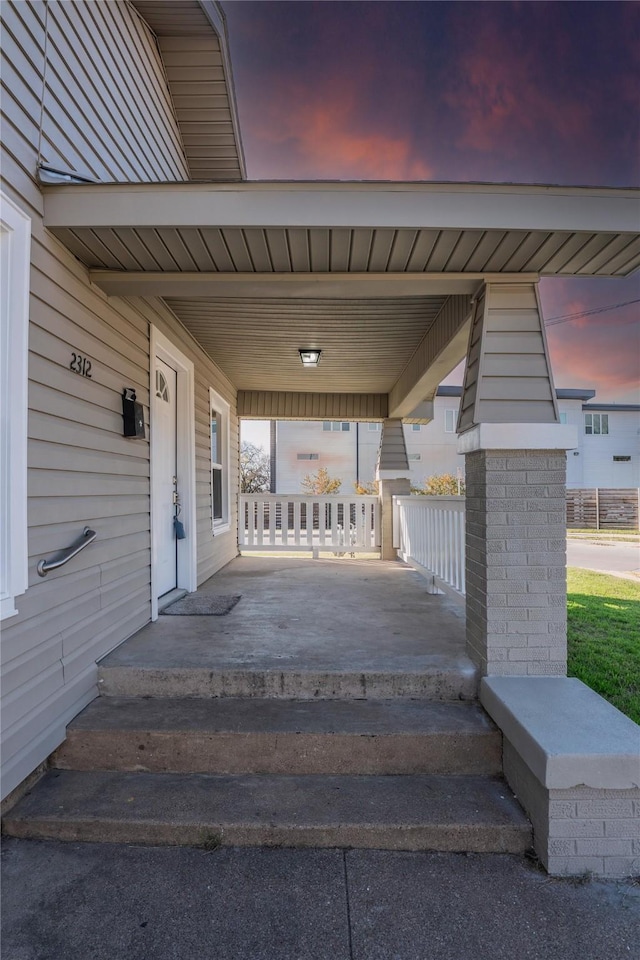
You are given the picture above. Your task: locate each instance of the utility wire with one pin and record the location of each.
(567, 317)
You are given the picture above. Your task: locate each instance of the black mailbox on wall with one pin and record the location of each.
(132, 414)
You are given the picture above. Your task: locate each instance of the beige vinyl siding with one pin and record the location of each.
(107, 114)
(81, 470)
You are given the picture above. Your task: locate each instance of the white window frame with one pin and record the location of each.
(602, 420)
(450, 414)
(219, 406)
(416, 427)
(563, 416)
(308, 456)
(15, 256)
(375, 426)
(336, 426)
(414, 457)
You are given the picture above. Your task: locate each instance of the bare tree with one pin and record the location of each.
(255, 468)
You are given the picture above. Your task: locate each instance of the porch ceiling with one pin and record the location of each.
(360, 270)
(365, 343)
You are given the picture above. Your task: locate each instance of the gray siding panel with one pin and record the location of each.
(106, 115)
(508, 376)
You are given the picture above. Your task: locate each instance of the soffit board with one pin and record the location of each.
(345, 228)
(192, 42)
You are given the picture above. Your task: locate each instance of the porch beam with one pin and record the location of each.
(440, 350)
(280, 405)
(441, 206)
(122, 283)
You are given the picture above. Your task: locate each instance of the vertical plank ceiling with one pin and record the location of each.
(365, 343)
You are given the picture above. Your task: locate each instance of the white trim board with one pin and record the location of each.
(15, 230)
(162, 347)
(518, 436)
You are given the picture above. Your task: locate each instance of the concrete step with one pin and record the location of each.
(475, 814)
(282, 736)
(448, 681)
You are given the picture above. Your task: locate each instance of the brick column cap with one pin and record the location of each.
(566, 733)
(518, 436)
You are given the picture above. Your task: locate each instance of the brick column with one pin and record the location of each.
(516, 557)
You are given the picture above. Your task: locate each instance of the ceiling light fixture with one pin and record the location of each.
(310, 358)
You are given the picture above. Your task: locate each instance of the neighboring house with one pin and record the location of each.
(609, 446)
(136, 260)
(607, 455)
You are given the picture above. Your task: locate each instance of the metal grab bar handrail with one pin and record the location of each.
(87, 537)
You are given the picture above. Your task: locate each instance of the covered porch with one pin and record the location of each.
(393, 285)
(304, 629)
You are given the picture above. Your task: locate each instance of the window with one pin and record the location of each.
(162, 387)
(450, 421)
(220, 508)
(307, 456)
(336, 425)
(15, 254)
(415, 426)
(414, 456)
(621, 459)
(596, 423)
(563, 417)
(375, 426)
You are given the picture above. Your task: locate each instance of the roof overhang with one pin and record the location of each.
(343, 228)
(378, 275)
(193, 43)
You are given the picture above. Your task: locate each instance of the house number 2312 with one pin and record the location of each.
(80, 364)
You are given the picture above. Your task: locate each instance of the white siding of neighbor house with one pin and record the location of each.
(81, 470)
(590, 465)
(597, 452)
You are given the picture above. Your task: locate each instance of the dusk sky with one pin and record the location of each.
(524, 92)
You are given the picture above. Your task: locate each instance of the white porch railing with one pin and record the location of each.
(268, 521)
(430, 532)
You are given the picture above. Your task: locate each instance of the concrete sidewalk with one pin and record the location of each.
(111, 902)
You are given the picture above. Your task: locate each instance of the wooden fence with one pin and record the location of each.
(600, 509)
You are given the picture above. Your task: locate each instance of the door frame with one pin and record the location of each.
(186, 573)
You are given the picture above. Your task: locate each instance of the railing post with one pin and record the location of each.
(388, 489)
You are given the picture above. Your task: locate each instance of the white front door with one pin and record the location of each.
(165, 479)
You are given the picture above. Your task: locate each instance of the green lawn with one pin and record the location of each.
(603, 633)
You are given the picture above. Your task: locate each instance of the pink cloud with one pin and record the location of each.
(321, 133)
(600, 350)
(500, 92)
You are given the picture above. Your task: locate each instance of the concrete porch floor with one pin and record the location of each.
(361, 622)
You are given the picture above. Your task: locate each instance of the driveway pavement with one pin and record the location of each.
(112, 902)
